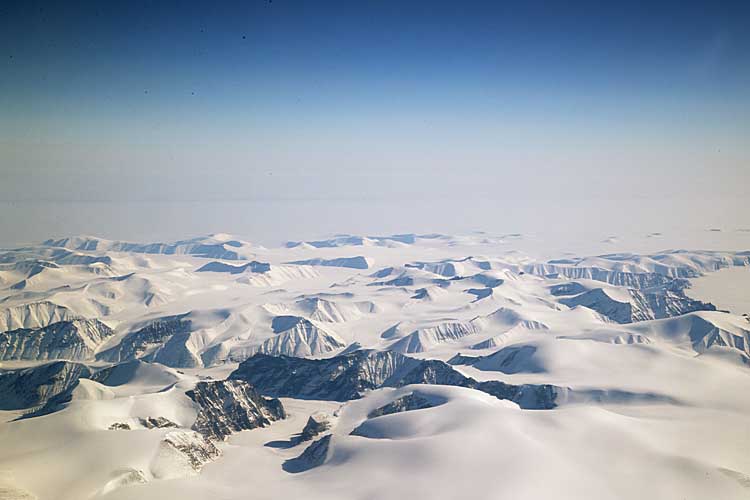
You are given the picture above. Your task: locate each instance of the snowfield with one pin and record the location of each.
(359, 367)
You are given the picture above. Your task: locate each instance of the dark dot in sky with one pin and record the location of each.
(145, 91)
(192, 93)
(244, 37)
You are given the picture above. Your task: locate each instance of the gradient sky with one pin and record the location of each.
(391, 102)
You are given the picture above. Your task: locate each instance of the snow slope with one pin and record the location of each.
(434, 366)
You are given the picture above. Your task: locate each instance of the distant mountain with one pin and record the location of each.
(357, 262)
(219, 246)
(74, 340)
(348, 376)
(630, 306)
(41, 386)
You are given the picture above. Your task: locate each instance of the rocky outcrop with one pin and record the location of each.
(41, 388)
(313, 456)
(182, 453)
(73, 340)
(229, 406)
(636, 305)
(146, 423)
(347, 377)
(156, 423)
(405, 403)
(317, 424)
(152, 335)
(510, 360)
(220, 267)
(618, 278)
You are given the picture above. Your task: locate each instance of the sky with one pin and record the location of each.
(283, 119)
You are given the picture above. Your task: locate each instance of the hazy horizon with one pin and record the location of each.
(369, 118)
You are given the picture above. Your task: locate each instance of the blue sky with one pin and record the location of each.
(186, 101)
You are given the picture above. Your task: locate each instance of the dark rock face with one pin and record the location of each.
(512, 359)
(156, 423)
(119, 426)
(313, 456)
(347, 377)
(317, 424)
(229, 406)
(75, 340)
(671, 303)
(404, 403)
(220, 267)
(619, 278)
(663, 302)
(43, 387)
(135, 344)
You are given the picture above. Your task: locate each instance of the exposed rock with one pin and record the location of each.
(119, 426)
(182, 453)
(638, 305)
(42, 388)
(152, 335)
(405, 403)
(317, 423)
(618, 278)
(640, 271)
(313, 456)
(347, 377)
(229, 406)
(73, 340)
(220, 267)
(156, 423)
(510, 360)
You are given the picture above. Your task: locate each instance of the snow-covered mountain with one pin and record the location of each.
(214, 367)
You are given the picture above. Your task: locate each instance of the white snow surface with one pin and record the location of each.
(427, 296)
